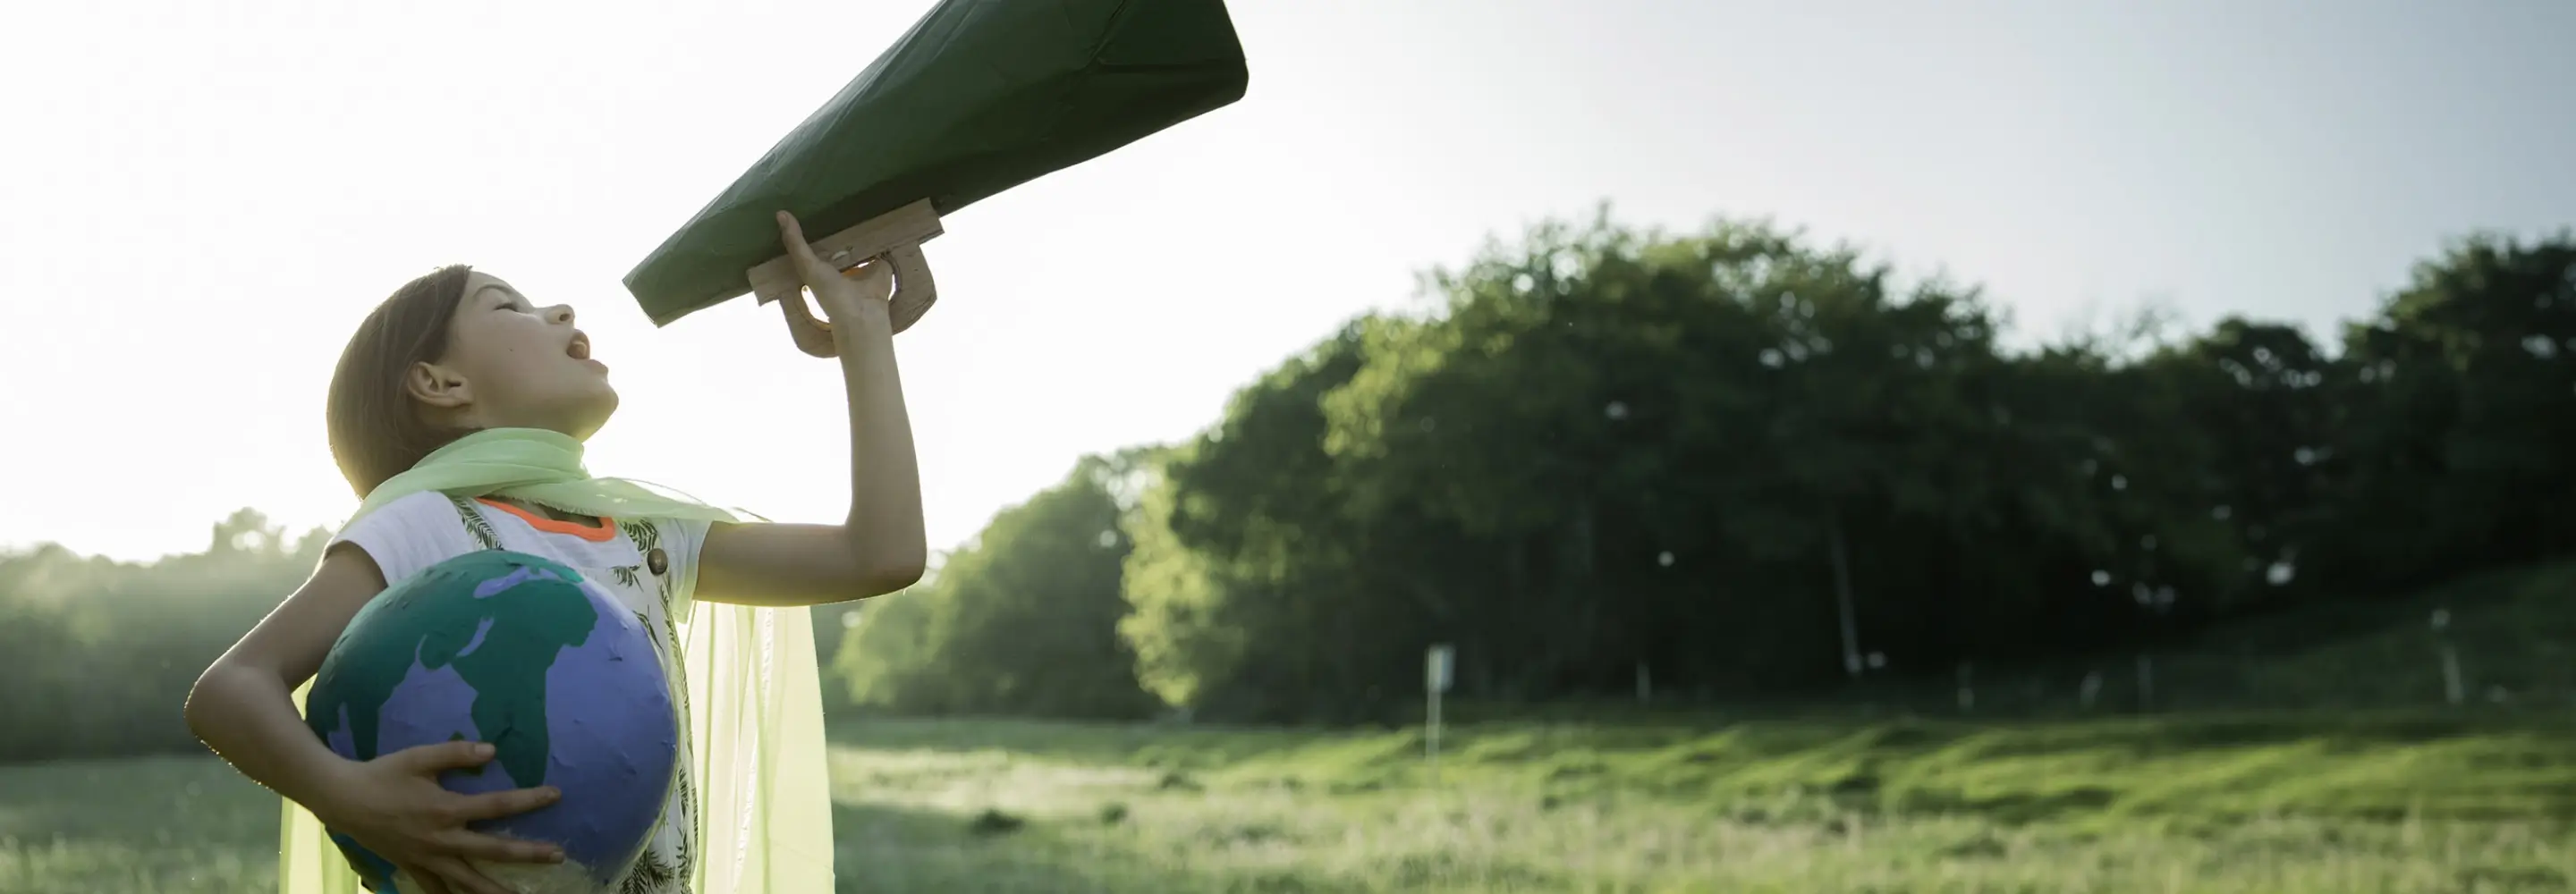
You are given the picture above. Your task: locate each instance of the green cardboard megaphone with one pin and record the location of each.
(979, 96)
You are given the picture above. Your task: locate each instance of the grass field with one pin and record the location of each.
(2333, 804)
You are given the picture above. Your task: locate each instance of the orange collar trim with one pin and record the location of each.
(607, 526)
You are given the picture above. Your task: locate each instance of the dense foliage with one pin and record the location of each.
(1733, 460)
(1608, 454)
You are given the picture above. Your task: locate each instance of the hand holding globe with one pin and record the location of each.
(503, 693)
(394, 807)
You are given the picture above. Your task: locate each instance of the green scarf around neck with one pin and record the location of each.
(538, 466)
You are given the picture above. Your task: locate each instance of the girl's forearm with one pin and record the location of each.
(248, 717)
(885, 521)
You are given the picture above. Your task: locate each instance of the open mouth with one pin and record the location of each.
(580, 347)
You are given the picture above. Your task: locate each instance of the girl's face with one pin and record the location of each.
(512, 364)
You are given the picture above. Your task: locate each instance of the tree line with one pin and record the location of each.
(1734, 459)
(1741, 464)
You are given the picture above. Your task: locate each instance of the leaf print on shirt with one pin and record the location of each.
(646, 536)
(476, 524)
(688, 858)
(652, 876)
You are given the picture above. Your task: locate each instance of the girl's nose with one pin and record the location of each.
(561, 313)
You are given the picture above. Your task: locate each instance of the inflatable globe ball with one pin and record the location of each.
(520, 652)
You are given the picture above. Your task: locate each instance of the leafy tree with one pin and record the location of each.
(2454, 439)
(1022, 621)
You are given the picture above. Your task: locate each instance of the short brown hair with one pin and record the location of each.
(376, 432)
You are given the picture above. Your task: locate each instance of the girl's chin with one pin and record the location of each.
(591, 416)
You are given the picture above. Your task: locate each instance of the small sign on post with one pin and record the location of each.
(1439, 666)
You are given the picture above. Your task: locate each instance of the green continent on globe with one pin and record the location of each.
(499, 618)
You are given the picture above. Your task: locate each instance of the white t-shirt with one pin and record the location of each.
(424, 529)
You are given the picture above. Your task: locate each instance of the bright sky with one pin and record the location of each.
(200, 200)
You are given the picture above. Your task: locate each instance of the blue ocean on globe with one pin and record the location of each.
(521, 652)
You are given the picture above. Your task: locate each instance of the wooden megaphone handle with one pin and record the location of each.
(893, 238)
(914, 292)
(813, 335)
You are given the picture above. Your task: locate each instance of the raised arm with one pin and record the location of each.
(880, 547)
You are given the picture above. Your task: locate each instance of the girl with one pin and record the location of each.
(457, 414)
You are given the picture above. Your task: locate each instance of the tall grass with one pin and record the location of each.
(2413, 803)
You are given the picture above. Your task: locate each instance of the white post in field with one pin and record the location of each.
(2454, 688)
(1437, 667)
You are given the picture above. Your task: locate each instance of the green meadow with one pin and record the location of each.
(2419, 803)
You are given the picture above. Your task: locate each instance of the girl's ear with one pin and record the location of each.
(437, 387)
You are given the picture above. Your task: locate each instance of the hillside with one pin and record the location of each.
(2512, 633)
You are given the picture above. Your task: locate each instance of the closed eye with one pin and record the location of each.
(509, 300)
